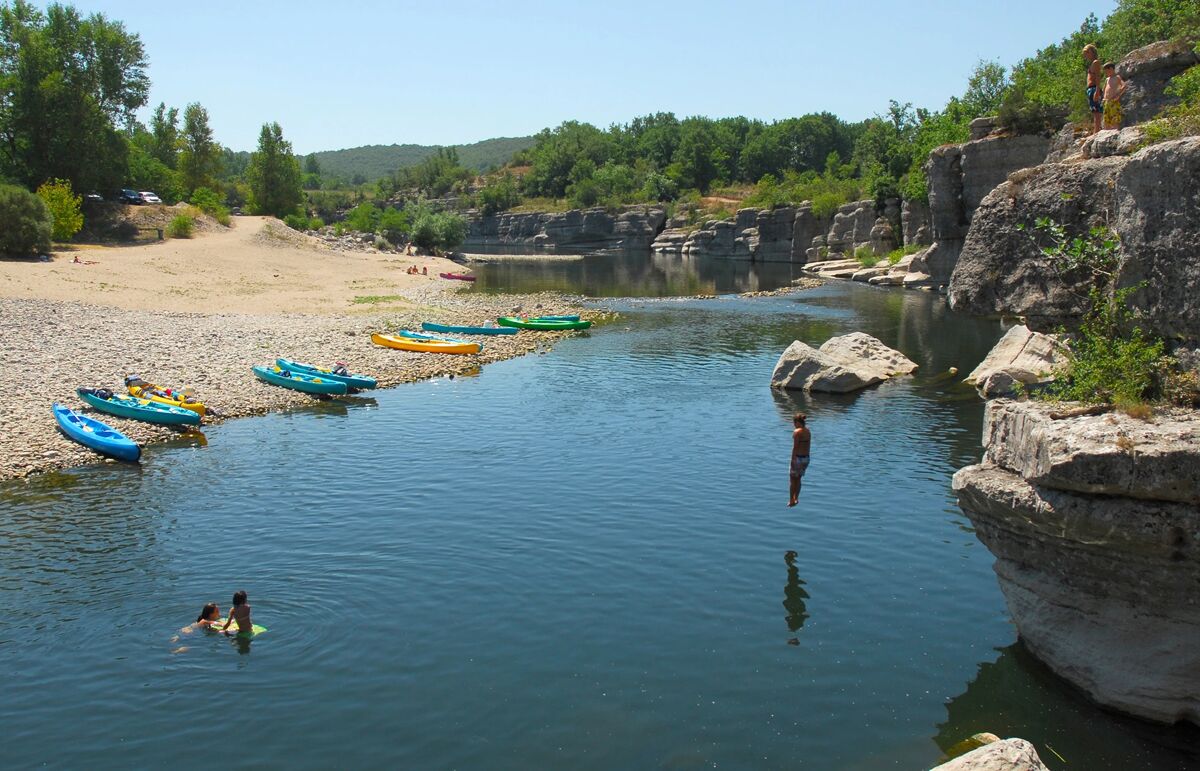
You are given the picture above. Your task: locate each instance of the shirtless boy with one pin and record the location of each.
(801, 440)
(1092, 58)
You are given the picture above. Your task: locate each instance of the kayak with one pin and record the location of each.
(93, 434)
(572, 317)
(137, 409)
(143, 390)
(431, 327)
(457, 276)
(545, 325)
(425, 343)
(299, 381)
(350, 379)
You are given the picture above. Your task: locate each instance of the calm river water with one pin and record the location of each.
(575, 560)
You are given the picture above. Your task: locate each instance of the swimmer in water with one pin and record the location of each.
(241, 613)
(209, 615)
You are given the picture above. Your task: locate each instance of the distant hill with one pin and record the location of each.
(375, 161)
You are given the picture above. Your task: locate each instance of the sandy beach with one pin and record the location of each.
(199, 313)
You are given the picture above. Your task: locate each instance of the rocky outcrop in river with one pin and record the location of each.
(846, 363)
(1094, 522)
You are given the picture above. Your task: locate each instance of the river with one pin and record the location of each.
(581, 559)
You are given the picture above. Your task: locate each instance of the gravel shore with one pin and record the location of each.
(49, 348)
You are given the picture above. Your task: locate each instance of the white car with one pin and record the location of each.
(148, 197)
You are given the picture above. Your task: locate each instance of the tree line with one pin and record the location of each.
(70, 87)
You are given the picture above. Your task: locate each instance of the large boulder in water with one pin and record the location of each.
(842, 364)
(1002, 755)
(1021, 356)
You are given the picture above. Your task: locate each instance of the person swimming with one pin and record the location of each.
(240, 612)
(210, 614)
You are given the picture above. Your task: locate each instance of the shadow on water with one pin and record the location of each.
(1016, 695)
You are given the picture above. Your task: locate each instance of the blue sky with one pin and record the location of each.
(352, 73)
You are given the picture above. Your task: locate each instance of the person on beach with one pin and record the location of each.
(801, 442)
(240, 612)
(1114, 89)
(1091, 57)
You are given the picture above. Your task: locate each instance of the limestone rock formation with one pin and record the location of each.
(1095, 528)
(842, 364)
(1146, 71)
(1151, 199)
(1108, 454)
(1113, 142)
(1021, 356)
(633, 228)
(1002, 755)
(851, 227)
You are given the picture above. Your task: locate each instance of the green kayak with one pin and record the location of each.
(545, 325)
(137, 409)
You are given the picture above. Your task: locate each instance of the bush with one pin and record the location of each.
(499, 194)
(209, 202)
(1024, 116)
(438, 229)
(363, 218)
(181, 227)
(866, 255)
(301, 222)
(25, 223)
(1182, 119)
(64, 208)
(394, 225)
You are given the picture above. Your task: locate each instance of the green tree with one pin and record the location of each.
(986, 88)
(200, 156)
(66, 82)
(164, 131)
(64, 207)
(148, 173)
(274, 174)
(25, 222)
(312, 165)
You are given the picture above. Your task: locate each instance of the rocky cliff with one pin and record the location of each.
(1151, 199)
(632, 228)
(1095, 525)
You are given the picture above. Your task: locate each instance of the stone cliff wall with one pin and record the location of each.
(1095, 526)
(1146, 72)
(632, 228)
(1152, 201)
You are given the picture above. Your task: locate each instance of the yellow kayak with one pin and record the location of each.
(425, 345)
(143, 390)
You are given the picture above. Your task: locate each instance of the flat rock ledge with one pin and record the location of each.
(1094, 524)
(842, 364)
(1000, 755)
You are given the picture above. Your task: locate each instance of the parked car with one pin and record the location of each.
(93, 198)
(149, 197)
(130, 196)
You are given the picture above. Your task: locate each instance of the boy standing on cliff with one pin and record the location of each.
(1091, 57)
(1114, 89)
(801, 441)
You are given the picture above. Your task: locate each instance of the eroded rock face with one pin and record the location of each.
(1002, 755)
(1095, 527)
(842, 364)
(1146, 71)
(1110, 454)
(633, 228)
(1151, 199)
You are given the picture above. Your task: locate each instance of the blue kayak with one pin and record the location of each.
(137, 409)
(574, 317)
(299, 381)
(93, 434)
(431, 327)
(349, 378)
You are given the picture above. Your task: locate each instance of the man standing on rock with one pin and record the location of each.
(801, 440)
(1091, 57)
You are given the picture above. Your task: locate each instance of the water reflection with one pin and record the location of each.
(794, 596)
(629, 274)
(1016, 695)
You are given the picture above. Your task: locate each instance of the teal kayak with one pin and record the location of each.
(298, 381)
(349, 378)
(137, 409)
(429, 326)
(546, 325)
(95, 435)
